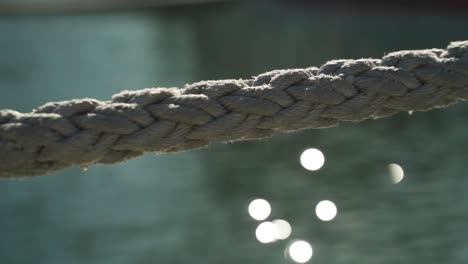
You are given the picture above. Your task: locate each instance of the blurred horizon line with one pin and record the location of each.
(76, 6)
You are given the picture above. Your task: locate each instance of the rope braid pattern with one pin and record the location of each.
(86, 131)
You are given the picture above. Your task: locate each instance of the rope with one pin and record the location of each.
(83, 132)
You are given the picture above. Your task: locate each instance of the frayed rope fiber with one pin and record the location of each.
(84, 132)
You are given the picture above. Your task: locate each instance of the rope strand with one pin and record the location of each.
(83, 132)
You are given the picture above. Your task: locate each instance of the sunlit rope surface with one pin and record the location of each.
(86, 131)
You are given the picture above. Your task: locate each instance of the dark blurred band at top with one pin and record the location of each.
(12, 7)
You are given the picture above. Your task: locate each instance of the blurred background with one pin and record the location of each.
(384, 191)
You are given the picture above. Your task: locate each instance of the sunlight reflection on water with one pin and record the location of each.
(300, 251)
(396, 173)
(326, 210)
(312, 159)
(283, 228)
(259, 209)
(266, 232)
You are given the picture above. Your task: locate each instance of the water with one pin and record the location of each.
(192, 207)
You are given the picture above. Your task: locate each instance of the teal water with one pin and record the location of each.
(192, 207)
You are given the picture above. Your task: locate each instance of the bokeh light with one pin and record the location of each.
(312, 159)
(326, 210)
(300, 251)
(266, 232)
(396, 173)
(283, 229)
(259, 209)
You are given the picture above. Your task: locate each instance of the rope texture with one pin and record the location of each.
(86, 131)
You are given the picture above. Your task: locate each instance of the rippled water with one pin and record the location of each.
(192, 207)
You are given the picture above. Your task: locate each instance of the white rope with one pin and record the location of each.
(86, 131)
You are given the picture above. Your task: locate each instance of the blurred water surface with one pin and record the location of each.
(192, 207)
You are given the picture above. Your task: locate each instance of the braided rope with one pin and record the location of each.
(87, 131)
